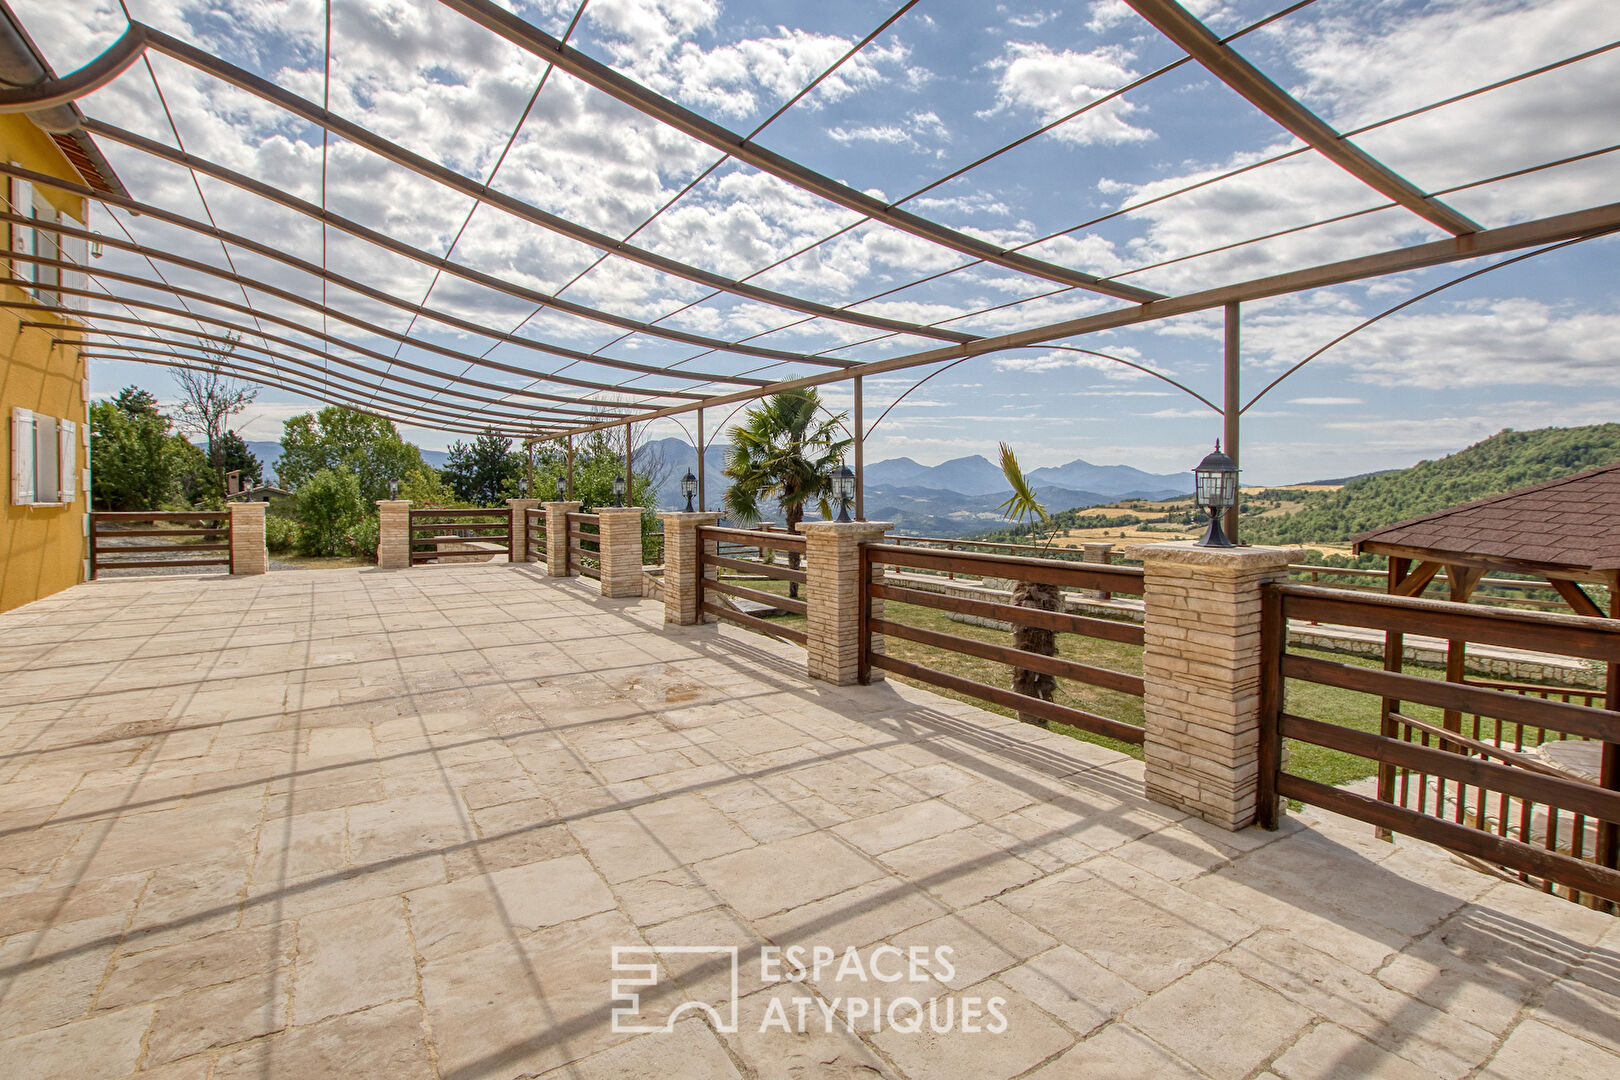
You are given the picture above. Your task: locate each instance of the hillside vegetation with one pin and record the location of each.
(1506, 461)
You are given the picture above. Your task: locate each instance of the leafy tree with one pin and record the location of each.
(133, 465)
(208, 400)
(236, 457)
(133, 401)
(330, 508)
(199, 482)
(1024, 508)
(783, 452)
(485, 472)
(345, 441)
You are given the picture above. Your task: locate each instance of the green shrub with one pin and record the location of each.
(329, 509)
(280, 534)
(361, 541)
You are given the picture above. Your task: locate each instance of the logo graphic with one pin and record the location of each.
(638, 964)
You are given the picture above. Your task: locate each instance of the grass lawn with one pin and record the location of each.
(1326, 703)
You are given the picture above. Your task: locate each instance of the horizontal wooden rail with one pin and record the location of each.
(1577, 796)
(107, 527)
(460, 512)
(1113, 579)
(1570, 635)
(1517, 708)
(102, 564)
(159, 515)
(755, 538)
(1046, 710)
(764, 626)
(1056, 666)
(784, 603)
(217, 531)
(122, 549)
(1499, 850)
(1059, 621)
(770, 570)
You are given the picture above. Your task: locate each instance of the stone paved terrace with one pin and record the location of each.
(392, 824)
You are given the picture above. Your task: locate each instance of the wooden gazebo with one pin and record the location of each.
(1565, 530)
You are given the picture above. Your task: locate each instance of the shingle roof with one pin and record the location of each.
(1572, 522)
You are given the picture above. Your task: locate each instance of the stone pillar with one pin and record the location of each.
(393, 534)
(621, 550)
(1201, 664)
(557, 536)
(1098, 553)
(833, 557)
(248, 554)
(520, 527)
(682, 565)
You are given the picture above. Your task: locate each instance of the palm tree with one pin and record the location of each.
(1024, 508)
(782, 452)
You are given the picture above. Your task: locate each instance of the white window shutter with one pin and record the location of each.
(67, 463)
(76, 250)
(22, 457)
(22, 236)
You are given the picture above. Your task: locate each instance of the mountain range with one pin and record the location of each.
(269, 453)
(954, 497)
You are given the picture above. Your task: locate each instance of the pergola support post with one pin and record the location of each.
(620, 550)
(833, 592)
(557, 534)
(248, 553)
(520, 528)
(683, 565)
(393, 534)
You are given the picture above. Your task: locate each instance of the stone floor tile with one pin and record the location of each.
(50, 977)
(1007, 1039)
(903, 825)
(475, 911)
(386, 1041)
(1225, 1022)
(1117, 1052)
(220, 958)
(657, 898)
(781, 876)
(691, 1049)
(1329, 1052)
(984, 939)
(1078, 991)
(960, 868)
(813, 1049)
(112, 1040)
(219, 1016)
(857, 917)
(1538, 1050)
(352, 958)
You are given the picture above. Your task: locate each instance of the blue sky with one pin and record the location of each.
(1533, 344)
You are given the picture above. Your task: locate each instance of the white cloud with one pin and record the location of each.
(1326, 401)
(1037, 81)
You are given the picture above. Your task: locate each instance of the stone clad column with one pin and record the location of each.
(248, 554)
(833, 558)
(557, 536)
(393, 534)
(682, 565)
(520, 528)
(621, 550)
(1201, 665)
(1098, 553)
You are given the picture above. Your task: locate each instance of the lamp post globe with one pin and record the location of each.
(689, 489)
(1215, 489)
(562, 487)
(618, 491)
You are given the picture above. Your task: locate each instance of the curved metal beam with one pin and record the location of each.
(88, 79)
(206, 298)
(1228, 65)
(113, 133)
(387, 299)
(594, 73)
(262, 88)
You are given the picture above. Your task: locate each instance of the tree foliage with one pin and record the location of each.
(486, 472)
(134, 463)
(236, 457)
(330, 508)
(345, 441)
(783, 452)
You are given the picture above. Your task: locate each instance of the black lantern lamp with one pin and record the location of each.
(393, 489)
(1216, 489)
(843, 489)
(562, 487)
(618, 491)
(689, 489)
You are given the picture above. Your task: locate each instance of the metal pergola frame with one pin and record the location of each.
(554, 403)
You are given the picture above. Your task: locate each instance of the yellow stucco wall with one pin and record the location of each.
(41, 548)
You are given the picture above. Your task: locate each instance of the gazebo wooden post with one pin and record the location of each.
(570, 468)
(703, 506)
(1388, 726)
(1608, 834)
(1460, 582)
(1232, 414)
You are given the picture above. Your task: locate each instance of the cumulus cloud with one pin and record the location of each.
(1034, 80)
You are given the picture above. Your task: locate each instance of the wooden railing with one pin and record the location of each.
(534, 535)
(584, 545)
(201, 538)
(1063, 574)
(1490, 791)
(730, 545)
(1311, 573)
(439, 534)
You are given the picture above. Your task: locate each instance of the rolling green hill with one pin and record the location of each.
(1507, 460)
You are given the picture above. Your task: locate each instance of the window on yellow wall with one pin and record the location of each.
(30, 242)
(44, 452)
